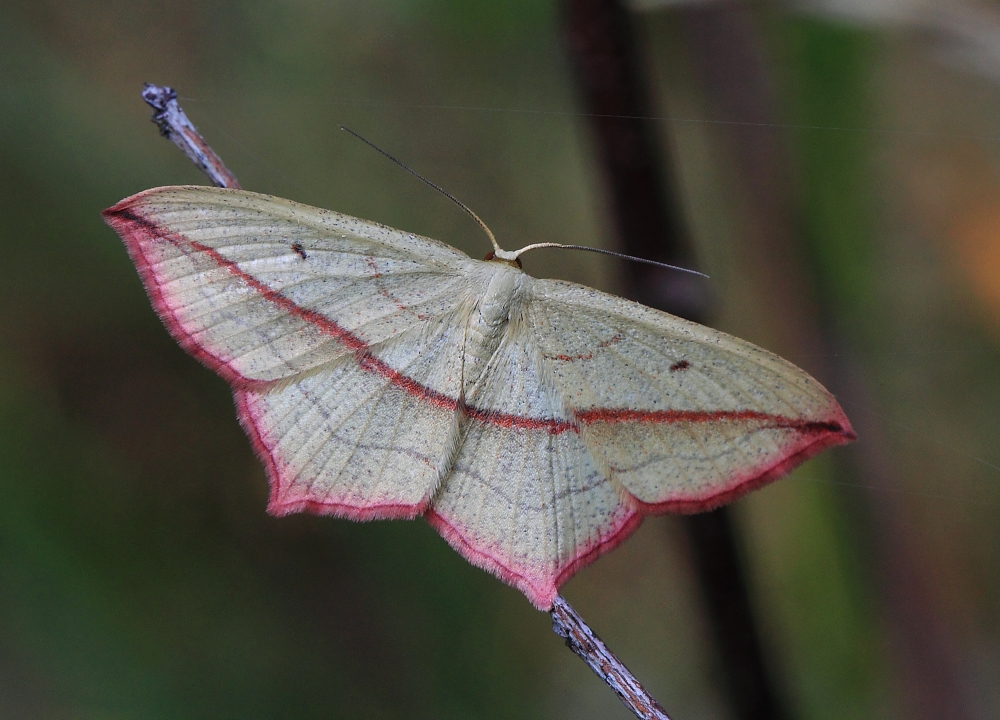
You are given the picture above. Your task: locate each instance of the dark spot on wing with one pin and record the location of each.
(299, 250)
(682, 365)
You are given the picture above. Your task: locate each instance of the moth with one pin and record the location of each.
(533, 423)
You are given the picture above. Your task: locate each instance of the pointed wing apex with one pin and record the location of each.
(682, 417)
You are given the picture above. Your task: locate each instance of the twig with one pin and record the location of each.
(566, 623)
(582, 640)
(175, 126)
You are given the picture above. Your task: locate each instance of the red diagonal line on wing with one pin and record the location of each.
(652, 417)
(312, 317)
(550, 425)
(624, 415)
(371, 363)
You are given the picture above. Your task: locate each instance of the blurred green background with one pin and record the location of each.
(139, 574)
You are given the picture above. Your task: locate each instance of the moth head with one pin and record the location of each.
(514, 261)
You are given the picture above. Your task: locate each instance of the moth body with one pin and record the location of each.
(504, 290)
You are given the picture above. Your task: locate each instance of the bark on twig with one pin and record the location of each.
(581, 639)
(175, 126)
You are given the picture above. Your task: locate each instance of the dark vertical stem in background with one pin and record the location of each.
(647, 213)
(643, 200)
(752, 694)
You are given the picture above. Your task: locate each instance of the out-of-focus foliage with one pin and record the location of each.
(139, 574)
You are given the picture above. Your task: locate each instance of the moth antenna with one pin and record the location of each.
(602, 251)
(496, 248)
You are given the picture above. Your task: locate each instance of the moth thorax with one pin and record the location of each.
(486, 326)
(494, 308)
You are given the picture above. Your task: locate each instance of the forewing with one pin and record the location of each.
(682, 417)
(261, 288)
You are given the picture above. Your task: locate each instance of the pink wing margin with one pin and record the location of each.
(139, 233)
(541, 589)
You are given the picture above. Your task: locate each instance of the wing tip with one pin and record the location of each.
(124, 206)
(822, 435)
(139, 197)
(138, 232)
